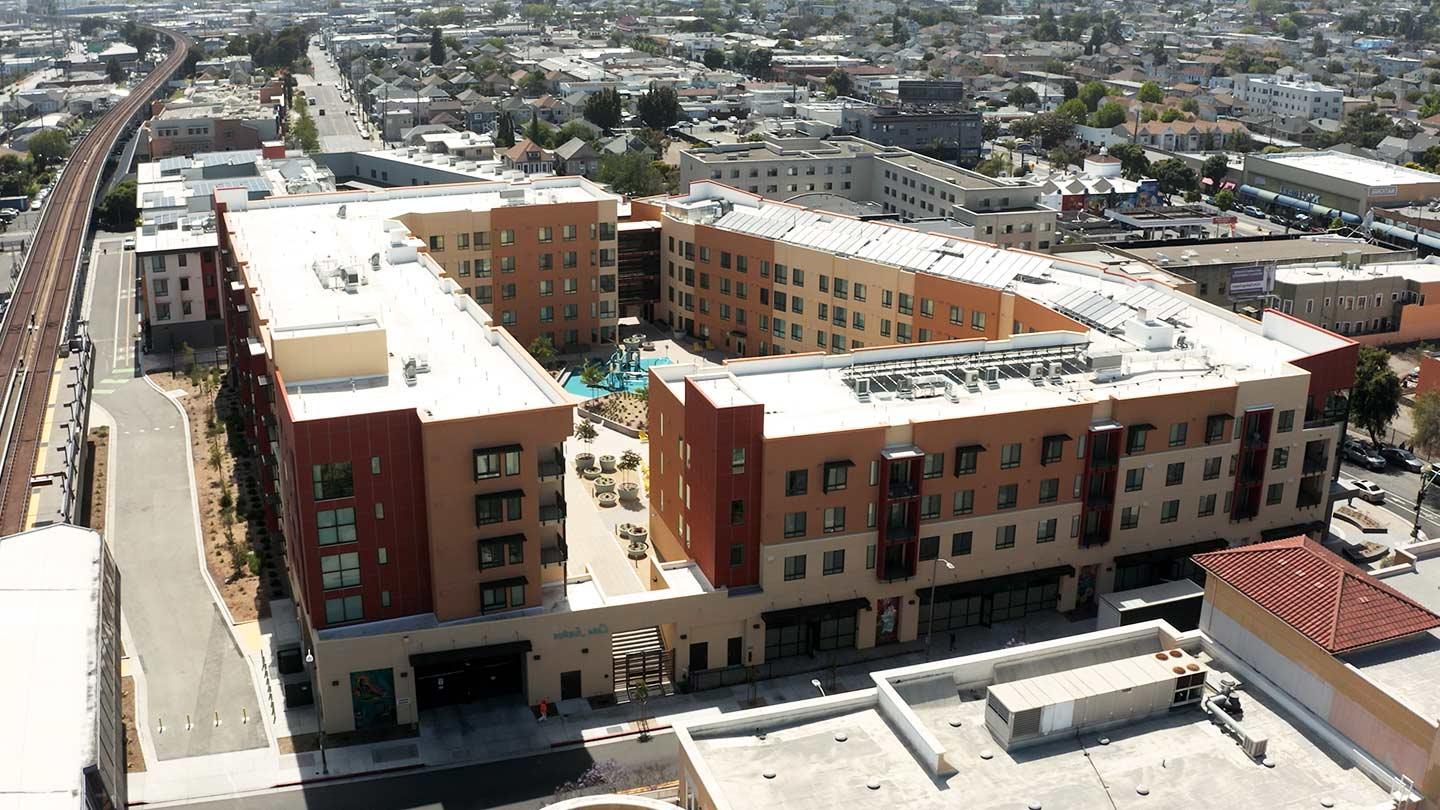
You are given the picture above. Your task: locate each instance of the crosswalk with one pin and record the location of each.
(108, 385)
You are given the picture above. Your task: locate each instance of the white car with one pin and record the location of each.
(129, 243)
(1367, 490)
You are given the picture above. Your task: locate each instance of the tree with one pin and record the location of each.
(631, 174)
(992, 166)
(1215, 168)
(1425, 415)
(1133, 163)
(1319, 46)
(629, 461)
(437, 47)
(605, 109)
(714, 59)
(536, 131)
(1171, 114)
(1022, 96)
(839, 83)
(1070, 89)
(504, 131)
(303, 133)
(534, 83)
(542, 349)
(1150, 93)
(1051, 128)
(1062, 156)
(1375, 396)
(989, 129)
(573, 129)
(585, 431)
(49, 147)
(1073, 109)
(1174, 176)
(659, 107)
(113, 72)
(1092, 93)
(118, 210)
(757, 63)
(1225, 200)
(1108, 116)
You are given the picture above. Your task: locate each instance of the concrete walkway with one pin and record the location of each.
(189, 664)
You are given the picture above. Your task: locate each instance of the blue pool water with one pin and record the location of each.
(574, 385)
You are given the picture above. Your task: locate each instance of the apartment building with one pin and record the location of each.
(954, 133)
(757, 277)
(908, 186)
(796, 504)
(209, 118)
(176, 242)
(1289, 96)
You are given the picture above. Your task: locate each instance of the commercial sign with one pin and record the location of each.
(1251, 281)
(1223, 220)
(1383, 191)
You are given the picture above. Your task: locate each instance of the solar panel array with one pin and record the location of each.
(1108, 312)
(971, 262)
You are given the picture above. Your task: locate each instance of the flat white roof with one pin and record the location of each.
(49, 601)
(1351, 168)
(1422, 271)
(290, 242)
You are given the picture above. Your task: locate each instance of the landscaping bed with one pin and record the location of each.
(134, 756)
(624, 408)
(232, 527)
(98, 459)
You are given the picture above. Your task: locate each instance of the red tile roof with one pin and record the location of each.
(1325, 598)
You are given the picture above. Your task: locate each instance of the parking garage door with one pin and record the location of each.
(469, 674)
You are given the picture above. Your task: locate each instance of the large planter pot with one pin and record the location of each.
(624, 530)
(607, 463)
(590, 473)
(606, 499)
(604, 484)
(629, 491)
(639, 534)
(584, 461)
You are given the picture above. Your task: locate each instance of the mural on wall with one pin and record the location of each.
(372, 698)
(1085, 586)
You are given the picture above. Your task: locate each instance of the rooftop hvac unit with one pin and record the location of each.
(925, 386)
(992, 376)
(1037, 371)
(1105, 695)
(1056, 370)
(972, 379)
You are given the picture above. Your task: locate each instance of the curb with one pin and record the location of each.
(619, 735)
(337, 776)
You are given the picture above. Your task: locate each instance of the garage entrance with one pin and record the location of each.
(469, 674)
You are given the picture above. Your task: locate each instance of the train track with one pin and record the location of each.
(34, 327)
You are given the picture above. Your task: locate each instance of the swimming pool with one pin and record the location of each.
(574, 385)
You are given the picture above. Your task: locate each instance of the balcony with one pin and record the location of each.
(551, 465)
(902, 489)
(553, 513)
(899, 534)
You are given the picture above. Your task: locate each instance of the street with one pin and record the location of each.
(1400, 490)
(338, 130)
(516, 784)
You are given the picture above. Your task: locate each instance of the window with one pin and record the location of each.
(1175, 474)
(1178, 433)
(737, 554)
(833, 562)
(1045, 532)
(332, 480)
(737, 512)
(934, 465)
(567, 232)
(1004, 537)
(1049, 490)
(797, 482)
(929, 547)
(343, 609)
(1280, 459)
(930, 507)
(500, 551)
(1285, 422)
(977, 321)
(492, 462)
(1137, 436)
(870, 557)
(795, 567)
(1129, 517)
(1134, 479)
(1274, 493)
(1007, 496)
(497, 507)
(1010, 456)
(794, 524)
(964, 502)
(507, 237)
(965, 459)
(1212, 468)
(737, 461)
(335, 526)
(1170, 511)
(437, 243)
(960, 543)
(1207, 505)
(837, 475)
(500, 595)
(1215, 427)
(544, 233)
(340, 570)
(1051, 449)
(834, 519)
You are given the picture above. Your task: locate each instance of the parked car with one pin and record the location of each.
(1359, 453)
(1368, 491)
(1402, 458)
(129, 243)
(1254, 211)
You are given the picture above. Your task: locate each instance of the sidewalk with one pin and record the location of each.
(501, 730)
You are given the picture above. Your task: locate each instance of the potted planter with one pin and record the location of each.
(604, 484)
(607, 463)
(584, 461)
(590, 473)
(624, 530)
(629, 491)
(606, 499)
(639, 534)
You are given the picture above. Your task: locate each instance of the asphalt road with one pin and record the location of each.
(339, 131)
(1400, 490)
(516, 784)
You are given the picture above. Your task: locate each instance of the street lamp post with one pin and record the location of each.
(1427, 479)
(815, 682)
(930, 625)
(319, 711)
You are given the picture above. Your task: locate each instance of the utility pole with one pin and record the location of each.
(1427, 479)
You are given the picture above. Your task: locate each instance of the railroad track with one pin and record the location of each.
(34, 327)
